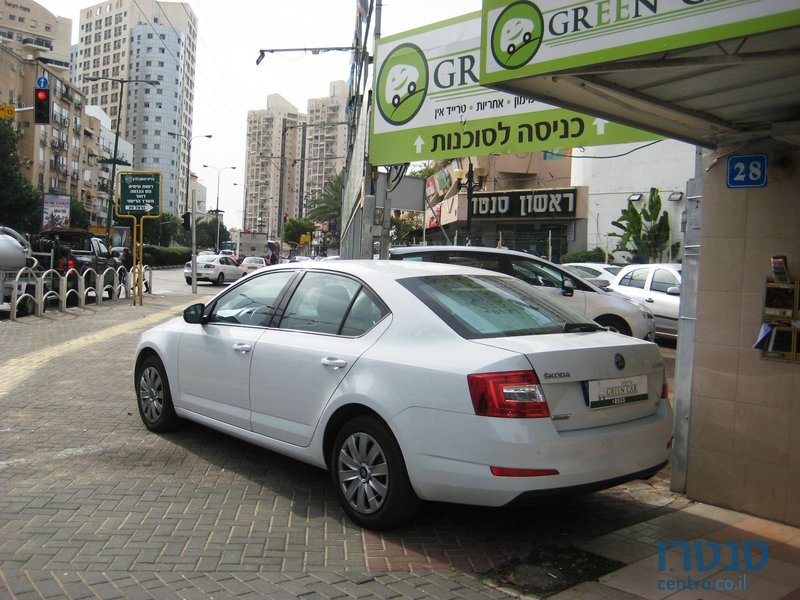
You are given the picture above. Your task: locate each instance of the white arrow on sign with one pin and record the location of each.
(144, 207)
(419, 143)
(601, 126)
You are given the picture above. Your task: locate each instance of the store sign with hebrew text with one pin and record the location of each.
(429, 104)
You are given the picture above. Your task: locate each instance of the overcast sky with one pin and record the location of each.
(228, 82)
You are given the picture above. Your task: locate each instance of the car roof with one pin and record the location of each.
(386, 269)
(404, 250)
(676, 266)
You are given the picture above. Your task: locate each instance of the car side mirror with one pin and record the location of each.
(675, 290)
(567, 288)
(194, 313)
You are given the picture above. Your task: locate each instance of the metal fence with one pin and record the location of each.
(32, 291)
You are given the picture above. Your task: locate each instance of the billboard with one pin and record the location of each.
(56, 211)
(430, 104)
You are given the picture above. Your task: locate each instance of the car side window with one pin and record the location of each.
(636, 278)
(534, 273)
(253, 302)
(363, 315)
(320, 303)
(663, 280)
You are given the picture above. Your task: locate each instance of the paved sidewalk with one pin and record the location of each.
(94, 506)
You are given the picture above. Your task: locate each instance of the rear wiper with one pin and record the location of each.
(573, 327)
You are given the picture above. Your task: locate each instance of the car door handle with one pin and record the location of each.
(243, 348)
(334, 363)
(650, 300)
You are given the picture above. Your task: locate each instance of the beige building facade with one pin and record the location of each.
(274, 138)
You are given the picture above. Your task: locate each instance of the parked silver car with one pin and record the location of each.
(609, 309)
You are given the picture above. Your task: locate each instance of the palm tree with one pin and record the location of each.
(327, 207)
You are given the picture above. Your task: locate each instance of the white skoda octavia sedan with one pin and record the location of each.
(412, 381)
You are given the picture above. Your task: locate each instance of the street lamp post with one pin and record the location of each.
(192, 209)
(114, 161)
(219, 172)
(473, 180)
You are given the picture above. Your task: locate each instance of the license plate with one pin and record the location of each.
(613, 392)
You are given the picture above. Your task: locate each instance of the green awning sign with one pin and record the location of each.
(139, 194)
(429, 103)
(526, 38)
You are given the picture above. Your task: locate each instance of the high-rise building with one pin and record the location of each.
(274, 138)
(314, 151)
(150, 41)
(326, 140)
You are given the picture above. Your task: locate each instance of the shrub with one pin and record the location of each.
(595, 255)
(160, 256)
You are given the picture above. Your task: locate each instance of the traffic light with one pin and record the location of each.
(187, 220)
(41, 106)
(285, 216)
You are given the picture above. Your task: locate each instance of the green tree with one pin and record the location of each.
(426, 169)
(294, 228)
(644, 234)
(206, 232)
(327, 207)
(20, 203)
(405, 224)
(161, 231)
(78, 215)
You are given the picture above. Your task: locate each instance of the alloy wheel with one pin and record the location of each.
(363, 473)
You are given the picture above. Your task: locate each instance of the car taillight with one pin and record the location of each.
(665, 387)
(208, 266)
(64, 264)
(510, 394)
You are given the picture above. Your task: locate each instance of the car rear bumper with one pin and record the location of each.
(449, 455)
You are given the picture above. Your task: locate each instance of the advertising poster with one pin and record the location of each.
(56, 211)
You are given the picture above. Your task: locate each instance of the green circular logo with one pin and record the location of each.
(402, 84)
(517, 34)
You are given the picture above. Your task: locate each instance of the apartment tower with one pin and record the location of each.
(144, 40)
(274, 137)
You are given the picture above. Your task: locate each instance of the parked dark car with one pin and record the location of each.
(63, 249)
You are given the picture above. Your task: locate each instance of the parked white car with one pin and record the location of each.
(606, 308)
(360, 367)
(214, 268)
(658, 286)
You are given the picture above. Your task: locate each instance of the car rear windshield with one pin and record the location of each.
(478, 306)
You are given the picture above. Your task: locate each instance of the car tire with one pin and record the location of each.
(153, 396)
(220, 279)
(188, 281)
(614, 323)
(370, 476)
(26, 307)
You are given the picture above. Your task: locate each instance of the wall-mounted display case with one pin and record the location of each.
(781, 321)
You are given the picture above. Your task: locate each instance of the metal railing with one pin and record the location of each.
(37, 288)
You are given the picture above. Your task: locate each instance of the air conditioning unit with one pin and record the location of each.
(65, 121)
(54, 144)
